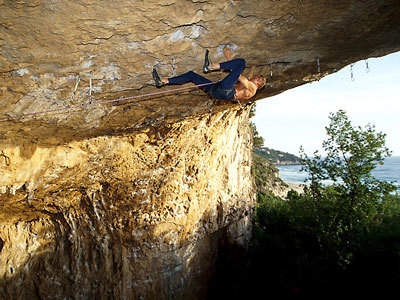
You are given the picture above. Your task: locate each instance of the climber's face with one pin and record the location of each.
(258, 80)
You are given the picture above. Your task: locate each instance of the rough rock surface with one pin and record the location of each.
(111, 188)
(126, 216)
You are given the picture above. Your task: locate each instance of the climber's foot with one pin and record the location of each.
(207, 63)
(157, 78)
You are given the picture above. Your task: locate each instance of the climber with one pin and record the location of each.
(233, 86)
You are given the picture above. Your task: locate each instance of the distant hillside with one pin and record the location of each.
(267, 180)
(266, 176)
(278, 157)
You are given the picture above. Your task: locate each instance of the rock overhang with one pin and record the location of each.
(75, 59)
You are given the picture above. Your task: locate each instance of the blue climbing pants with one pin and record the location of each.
(223, 89)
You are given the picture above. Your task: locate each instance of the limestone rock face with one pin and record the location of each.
(126, 216)
(112, 188)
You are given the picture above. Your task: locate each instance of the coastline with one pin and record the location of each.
(282, 192)
(294, 178)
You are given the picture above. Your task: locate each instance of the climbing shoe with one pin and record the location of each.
(207, 63)
(157, 78)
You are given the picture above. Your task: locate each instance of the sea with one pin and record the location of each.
(388, 171)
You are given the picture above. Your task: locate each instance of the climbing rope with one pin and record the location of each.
(99, 102)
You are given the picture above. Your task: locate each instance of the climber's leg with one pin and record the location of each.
(236, 66)
(225, 89)
(191, 77)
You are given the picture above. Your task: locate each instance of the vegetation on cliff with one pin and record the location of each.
(266, 175)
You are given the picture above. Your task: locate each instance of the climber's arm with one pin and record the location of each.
(247, 84)
(251, 72)
(227, 53)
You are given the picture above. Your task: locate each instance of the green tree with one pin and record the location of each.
(355, 197)
(345, 234)
(351, 154)
(258, 141)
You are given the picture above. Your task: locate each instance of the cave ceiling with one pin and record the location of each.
(75, 69)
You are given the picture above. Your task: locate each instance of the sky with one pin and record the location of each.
(369, 92)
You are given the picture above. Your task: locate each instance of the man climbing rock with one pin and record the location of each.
(233, 86)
